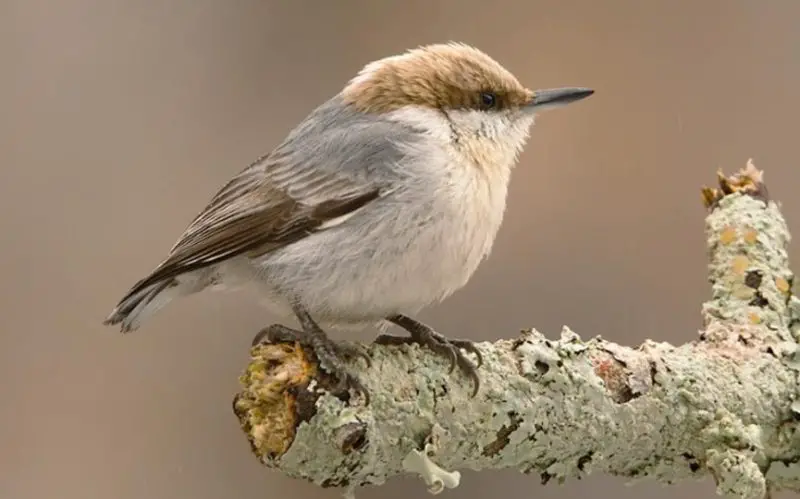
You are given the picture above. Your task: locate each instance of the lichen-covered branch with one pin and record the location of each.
(726, 405)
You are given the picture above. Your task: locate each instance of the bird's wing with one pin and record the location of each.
(319, 173)
(252, 214)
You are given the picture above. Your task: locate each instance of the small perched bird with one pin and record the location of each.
(382, 201)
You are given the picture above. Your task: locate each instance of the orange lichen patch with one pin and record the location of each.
(267, 405)
(754, 318)
(748, 180)
(728, 235)
(782, 285)
(750, 235)
(603, 367)
(740, 264)
(615, 378)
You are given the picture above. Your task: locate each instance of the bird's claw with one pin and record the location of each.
(274, 333)
(354, 351)
(347, 383)
(329, 355)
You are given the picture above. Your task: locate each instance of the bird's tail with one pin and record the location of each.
(141, 302)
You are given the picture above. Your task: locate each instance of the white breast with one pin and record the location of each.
(476, 199)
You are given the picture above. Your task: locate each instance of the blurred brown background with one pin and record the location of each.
(119, 119)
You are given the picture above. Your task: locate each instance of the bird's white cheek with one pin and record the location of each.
(490, 137)
(478, 137)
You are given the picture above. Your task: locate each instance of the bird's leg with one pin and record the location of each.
(425, 336)
(329, 354)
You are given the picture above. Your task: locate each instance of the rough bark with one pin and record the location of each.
(725, 405)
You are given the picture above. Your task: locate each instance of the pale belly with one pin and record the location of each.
(394, 259)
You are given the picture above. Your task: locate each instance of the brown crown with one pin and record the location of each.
(440, 76)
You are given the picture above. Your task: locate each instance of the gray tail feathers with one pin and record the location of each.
(142, 301)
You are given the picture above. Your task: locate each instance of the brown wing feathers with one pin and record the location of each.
(246, 225)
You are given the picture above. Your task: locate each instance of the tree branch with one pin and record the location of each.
(725, 405)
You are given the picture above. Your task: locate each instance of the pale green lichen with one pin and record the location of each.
(736, 474)
(725, 405)
(749, 275)
(565, 423)
(434, 477)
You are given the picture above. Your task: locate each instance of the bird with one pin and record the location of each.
(381, 202)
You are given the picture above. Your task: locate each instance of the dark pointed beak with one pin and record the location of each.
(556, 97)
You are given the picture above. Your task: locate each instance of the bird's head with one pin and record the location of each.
(458, 93)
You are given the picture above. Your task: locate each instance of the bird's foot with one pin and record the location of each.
(278, 333)
(426, 336)
(329, 354)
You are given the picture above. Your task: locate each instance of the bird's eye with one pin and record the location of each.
(488, 100)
